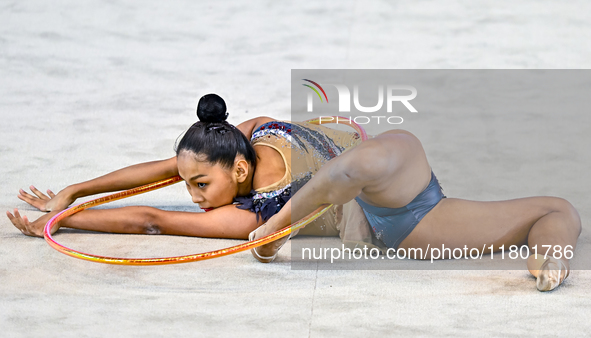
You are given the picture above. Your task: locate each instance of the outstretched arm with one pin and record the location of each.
(122, 179)
(223, 222)
(126, 178)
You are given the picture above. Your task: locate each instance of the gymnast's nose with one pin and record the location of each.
(195, 196)
(197, 199)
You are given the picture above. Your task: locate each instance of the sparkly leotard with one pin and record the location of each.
(305, 148)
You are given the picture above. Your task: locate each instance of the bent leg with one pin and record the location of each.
(558, 232)
(533, 221)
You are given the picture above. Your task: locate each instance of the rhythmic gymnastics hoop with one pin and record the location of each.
(188, 258)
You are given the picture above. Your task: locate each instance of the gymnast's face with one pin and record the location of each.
(210, 186)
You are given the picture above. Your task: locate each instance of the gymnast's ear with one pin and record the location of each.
(241, 169)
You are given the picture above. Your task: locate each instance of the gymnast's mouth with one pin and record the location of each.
(206, 209)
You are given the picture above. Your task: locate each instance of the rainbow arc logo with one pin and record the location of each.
(314, 89)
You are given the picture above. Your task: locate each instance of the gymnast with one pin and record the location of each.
(383, 190)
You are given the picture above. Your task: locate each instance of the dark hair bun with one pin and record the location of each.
(211, 108)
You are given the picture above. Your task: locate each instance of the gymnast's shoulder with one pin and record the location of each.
(248, 126)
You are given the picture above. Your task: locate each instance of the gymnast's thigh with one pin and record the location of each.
(456, 223)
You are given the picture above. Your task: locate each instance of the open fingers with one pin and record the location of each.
(34, 201)
(10, 217)
(50, 193)
(22, 223)
(16, 220)
(38, 193)
(26, 194)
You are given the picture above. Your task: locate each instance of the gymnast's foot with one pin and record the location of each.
(550, 273)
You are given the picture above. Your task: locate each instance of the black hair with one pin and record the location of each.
(215, 138)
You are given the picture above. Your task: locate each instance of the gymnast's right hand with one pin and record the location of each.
(34, 228)
(43, 202)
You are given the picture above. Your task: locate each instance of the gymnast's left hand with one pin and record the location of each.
(49, 202)
(34, 228)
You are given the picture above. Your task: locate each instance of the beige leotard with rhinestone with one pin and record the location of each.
(305, 149)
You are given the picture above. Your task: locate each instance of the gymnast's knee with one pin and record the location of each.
(561, 205)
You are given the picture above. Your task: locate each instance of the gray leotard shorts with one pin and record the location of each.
(392, 225)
